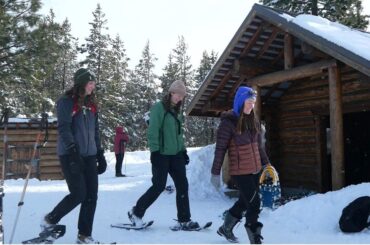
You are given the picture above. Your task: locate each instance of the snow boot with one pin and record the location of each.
(135, 220)
(226, 230)
(81, 239)
(46, 222)
(186, 226)
(254, 232)
(120, 175)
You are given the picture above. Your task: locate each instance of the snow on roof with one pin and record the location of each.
(351, 39)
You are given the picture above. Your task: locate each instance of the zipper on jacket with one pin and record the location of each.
(177, 137)
(84, 108)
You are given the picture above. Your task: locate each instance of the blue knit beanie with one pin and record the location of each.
(244, 93)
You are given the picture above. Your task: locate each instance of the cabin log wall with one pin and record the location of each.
(24, 140)
(297, 140)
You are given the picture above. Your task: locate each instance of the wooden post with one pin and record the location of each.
(258, 105)
(336, 128)
(288, 51)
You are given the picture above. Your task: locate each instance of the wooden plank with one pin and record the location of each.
(298, 149)
(297, 133)
(298, 159)
(52, 170)
(46, 157)
(27, 132)
(48, 163)
(287, 114)
(305, 122)
(28, 138)
(48, 145)
(298, 140)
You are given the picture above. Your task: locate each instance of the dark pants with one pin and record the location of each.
(119, 160)
(249, 199)
(175, 166)
(83, 188)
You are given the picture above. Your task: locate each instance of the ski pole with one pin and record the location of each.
(34, 163)
(125, 157)
(3, 121)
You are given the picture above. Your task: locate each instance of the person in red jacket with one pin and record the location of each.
(120, 140)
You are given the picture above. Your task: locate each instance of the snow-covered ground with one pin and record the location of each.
(313, 219)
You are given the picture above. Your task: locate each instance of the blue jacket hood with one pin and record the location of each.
(242, 95)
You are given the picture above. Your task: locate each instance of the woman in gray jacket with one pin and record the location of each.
(79, 150)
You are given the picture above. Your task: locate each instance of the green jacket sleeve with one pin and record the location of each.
(153, 133)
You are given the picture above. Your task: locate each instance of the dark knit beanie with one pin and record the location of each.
(83, 76)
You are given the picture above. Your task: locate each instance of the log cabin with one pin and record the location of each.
(313, 82)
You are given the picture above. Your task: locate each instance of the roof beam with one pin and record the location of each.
(251, 67)
(252, 41)
(288, 51)
(291, 74)
(216, 106)
(221, 85)
(268, 42)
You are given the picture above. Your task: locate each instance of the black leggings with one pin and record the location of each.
(249, 199)
(83, 188)
(164, 165)
(119, 160)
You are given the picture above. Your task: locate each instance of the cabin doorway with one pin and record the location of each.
(356, 133)
(356, 136)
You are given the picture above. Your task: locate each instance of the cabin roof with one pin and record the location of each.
(257, 48)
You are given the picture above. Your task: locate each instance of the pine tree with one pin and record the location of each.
(170, 73)
(347, 12)
(67, 64)
(185, 73)
(182, 59)
(97, 45)
(114, 100)
(142, 94)
(202, 128)
(18, 20)
(43, 80)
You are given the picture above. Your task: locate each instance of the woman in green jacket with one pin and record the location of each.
(168, 156)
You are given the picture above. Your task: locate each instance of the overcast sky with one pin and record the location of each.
(205, 24)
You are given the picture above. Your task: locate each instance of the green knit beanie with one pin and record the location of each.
(82, 76)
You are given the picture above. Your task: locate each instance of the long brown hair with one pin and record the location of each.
(166, 100)
(248, 122)
(78, 91)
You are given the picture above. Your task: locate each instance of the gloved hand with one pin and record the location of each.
(155, 156)
(186, 157)
(102, 163)
(216, 181)
(76, 163)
